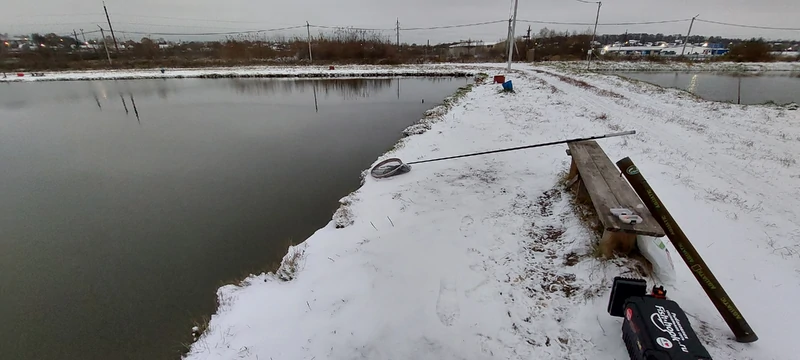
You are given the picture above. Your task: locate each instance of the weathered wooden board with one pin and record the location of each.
(608, 190)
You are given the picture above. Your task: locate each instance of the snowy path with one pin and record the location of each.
(484, 258)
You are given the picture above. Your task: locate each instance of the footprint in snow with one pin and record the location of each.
(466, 224)
(447, 304)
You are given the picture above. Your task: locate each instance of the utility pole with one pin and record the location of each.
(87, 43)
(527, 38)
(77, 44)
(397, 29)
(594, 33)
(308, 29)
(110, 28)
(513, 25)
(687, 34)
(105, 45)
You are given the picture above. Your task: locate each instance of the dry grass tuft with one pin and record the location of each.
(787, 161)
(291, 263)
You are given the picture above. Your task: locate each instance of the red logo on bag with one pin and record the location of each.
(666, 344)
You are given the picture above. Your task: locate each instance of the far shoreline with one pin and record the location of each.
(362, 71)
(305, 71)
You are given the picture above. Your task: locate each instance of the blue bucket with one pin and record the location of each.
(507, 86)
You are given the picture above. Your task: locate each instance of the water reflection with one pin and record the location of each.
(27, 95)
(345, 89)
(105, 222)
(135, 110)
(780, 87)
(123, 103)
(693, 85)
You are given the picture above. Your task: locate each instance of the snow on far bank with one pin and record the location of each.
(485, 258)
(443, 69)
(250, 71)
(723, 66)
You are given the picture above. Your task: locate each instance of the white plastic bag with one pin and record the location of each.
(655, 250)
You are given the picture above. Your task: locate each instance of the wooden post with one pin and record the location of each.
(111, 28)
(573, 170)
(308, 30)
(617, 242)
(105, 46)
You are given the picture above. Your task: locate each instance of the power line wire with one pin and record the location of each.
(748, 26)
(419, 28)
(179, 26)
(210, 33)
(353, 28)
(56, 24)
(63, 15)
(455, 26)
(604, 24)
(193, 19)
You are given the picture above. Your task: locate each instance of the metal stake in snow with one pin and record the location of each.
(394, 166)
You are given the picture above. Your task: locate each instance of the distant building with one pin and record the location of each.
(664, 49)
(786, 54)
(16, 43)
(470, 48)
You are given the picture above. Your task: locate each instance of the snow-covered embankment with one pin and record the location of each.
(248, 72)
(717, 66)
(485, 258)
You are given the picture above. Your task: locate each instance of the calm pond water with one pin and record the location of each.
(780, 87)
(117, 231)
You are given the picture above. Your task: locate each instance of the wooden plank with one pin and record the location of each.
(572, 181)
(581, 194)
(602, 198)
(623, 192)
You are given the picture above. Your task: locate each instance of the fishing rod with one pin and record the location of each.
(394, 166)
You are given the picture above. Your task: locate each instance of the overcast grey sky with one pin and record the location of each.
(193, 16)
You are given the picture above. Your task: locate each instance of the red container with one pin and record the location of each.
(20, 74)
(499, 79)
(331, 67)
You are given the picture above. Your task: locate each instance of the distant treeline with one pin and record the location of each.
(343, 45)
